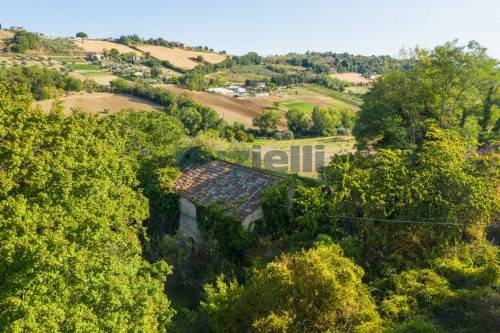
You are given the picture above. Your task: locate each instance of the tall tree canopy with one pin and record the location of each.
(267, 121)
(81, 35)
(446, 88)
(70, 220)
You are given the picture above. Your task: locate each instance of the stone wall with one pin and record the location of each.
(187, 220)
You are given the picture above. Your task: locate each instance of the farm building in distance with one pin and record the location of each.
(236, 186)
(17, 28)
(229, 90)
(222, 91)
(95, 56)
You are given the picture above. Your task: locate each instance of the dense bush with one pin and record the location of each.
(23, 41)
(313, 291)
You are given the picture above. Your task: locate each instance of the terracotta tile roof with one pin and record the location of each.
(225, 181)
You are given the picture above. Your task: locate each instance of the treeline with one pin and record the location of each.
(132, 40)
(136, 40)
(43, 83)
(341, 62)
(322, 80)
(323, 121)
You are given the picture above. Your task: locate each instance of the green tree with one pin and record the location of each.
(277, 104)
(151, 139)
(155, 71)
(443, 87)
(70, 223)
(298, 121)
(119, 85)
(24, 40)
(115, 54)
(317, 290)
(325, 121)
(81, 35)
(229, 134)
(191, 119)
(240, 136)
(267, 121)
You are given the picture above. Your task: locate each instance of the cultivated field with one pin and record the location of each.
(241, 109)
(96, 102)
(180, 57)
(93, 45)
(331, 146)
(351, 77)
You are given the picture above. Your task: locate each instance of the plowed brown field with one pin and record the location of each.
(232, 109)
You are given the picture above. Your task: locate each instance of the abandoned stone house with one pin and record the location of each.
(225, 182)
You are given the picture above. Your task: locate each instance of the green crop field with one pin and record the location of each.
(330, 145)
(69, 60)
(95, 73)
(308, 108)
(340, 96)
(83, 67)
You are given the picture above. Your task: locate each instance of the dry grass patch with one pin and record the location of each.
(5, 35)
(180, 57)
(94, 45)
(96, 103)
(351, 77)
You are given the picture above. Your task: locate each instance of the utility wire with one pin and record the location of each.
(393, 221)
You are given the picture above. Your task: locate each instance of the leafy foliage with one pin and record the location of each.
(43, 83)
(23, 41)
(312, 291)
(267, 121)
(443, 183)
(445, 88)
(70, 226)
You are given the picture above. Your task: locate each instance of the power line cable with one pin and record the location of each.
(393, 221)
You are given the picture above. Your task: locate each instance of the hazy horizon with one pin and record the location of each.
(279, 27)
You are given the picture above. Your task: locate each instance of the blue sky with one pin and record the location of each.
(270, 27)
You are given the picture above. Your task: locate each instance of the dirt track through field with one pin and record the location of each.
(232, 109)
(96, 102)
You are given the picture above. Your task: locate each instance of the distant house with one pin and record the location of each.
(235, 185)
(237, 89)
(259, 85)
(17, 28)
(95, 56)
(222, 91)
